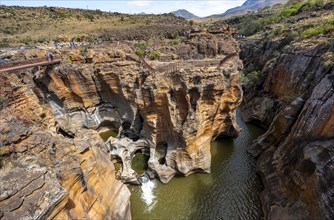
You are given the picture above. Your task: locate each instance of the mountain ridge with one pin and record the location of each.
(183, 13)
(249, 5)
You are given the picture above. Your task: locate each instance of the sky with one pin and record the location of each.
(200, 7)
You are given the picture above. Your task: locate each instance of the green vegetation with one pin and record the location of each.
(2, 99)
(176, 41)
(8, 30)
(252, 27)
(4, 151)
(83, 51)
(328, 59)
(89, 16)
(140, 53)
(140, 48)
(250, 78)
(4, 42)
(155, 55)
(26, 40)
(56, 39)
(41, 40)
(29, 26)
(290, 10)
(299, 20)
(326, 27)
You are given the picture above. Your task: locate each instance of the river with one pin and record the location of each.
(230, 191)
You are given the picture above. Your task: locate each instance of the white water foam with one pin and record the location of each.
(147, 195)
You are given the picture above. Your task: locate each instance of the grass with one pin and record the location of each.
(30, 26)
(303, 20)
(326, 27)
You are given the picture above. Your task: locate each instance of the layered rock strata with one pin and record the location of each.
(294, 99)
(48, 176)
(170, 110)
(51, 116)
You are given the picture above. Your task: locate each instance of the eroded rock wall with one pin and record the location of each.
(171, 110)
(51, 116)
(47, 175)
(294, 99)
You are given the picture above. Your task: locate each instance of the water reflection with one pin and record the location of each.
(231, 191)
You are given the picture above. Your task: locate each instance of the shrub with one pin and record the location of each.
(4, 42)
(155, 55)
(324, 28)
(291, 11)
(107, 37)
(41, 39)
(56, 39)
(26, 40)
(83, 51)
(252, 28)
(288, 37)
(8, 31)
(140, 48)
(310, 32)
(319, 3)
(61, 14)
(328, 59)
(89, 16)
(250, 78)
(2, 99)
(176, 41)
(140, 45)
(140, 53)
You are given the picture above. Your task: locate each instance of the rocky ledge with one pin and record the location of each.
(170, 110)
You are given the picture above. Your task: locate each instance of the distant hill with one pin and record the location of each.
(184, 14)
(47, 25)
(249, 5)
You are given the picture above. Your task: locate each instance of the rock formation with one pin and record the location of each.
(171, 111)
(294, 98)
(49, 176)
(174, 112)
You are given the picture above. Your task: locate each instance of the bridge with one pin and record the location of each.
(24, 64)
(169, 68)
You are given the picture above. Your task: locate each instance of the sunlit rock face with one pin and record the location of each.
(169, 110)
(294, 99)
(47, 175)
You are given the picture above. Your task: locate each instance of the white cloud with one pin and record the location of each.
(140, 3)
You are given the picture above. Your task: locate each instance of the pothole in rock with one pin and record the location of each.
(106, 134)
(139, 162)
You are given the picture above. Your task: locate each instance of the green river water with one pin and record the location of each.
(230, 191)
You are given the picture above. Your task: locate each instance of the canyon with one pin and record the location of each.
(170, 110)
(170, 97)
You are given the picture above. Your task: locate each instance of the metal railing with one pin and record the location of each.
(21, 64)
